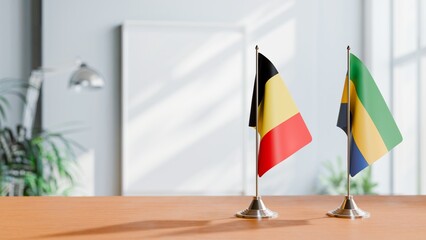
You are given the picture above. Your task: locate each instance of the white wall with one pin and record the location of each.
(15, 47)
(398, 75)
(306, 40)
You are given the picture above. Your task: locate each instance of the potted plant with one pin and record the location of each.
(42, 164)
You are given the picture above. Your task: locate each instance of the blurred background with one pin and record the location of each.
(172, 116)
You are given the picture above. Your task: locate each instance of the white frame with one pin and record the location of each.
(124, 83)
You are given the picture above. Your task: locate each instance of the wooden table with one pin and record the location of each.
(392, 217)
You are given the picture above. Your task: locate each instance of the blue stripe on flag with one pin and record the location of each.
(358, 161)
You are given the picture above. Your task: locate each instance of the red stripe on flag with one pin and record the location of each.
(282, 141)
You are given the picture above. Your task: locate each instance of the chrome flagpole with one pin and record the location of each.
(348, 209)
(257, 208)
(257, 121)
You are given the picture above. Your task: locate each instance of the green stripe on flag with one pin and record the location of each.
(373, 102)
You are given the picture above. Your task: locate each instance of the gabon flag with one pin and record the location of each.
(374, 131)
(281, 128)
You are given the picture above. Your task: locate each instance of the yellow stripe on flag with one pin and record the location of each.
(364, 131)
(277, 105)
(345, 90)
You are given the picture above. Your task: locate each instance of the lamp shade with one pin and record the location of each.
(86, 77)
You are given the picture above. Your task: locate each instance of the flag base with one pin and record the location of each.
(257, 209)
(348, 209)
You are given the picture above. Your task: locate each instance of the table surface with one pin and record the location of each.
(300, 217)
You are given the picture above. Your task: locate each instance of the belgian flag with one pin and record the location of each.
(281, 127)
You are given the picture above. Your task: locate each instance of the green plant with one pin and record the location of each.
(335, 177)
(43, 164)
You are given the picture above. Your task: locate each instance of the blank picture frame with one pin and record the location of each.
(184, 102)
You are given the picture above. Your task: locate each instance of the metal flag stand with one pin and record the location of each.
(348, 209)
(257, 208)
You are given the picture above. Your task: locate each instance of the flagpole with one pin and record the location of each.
(349, 132)
(348, 208)
(257, 121)
(257, 208)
